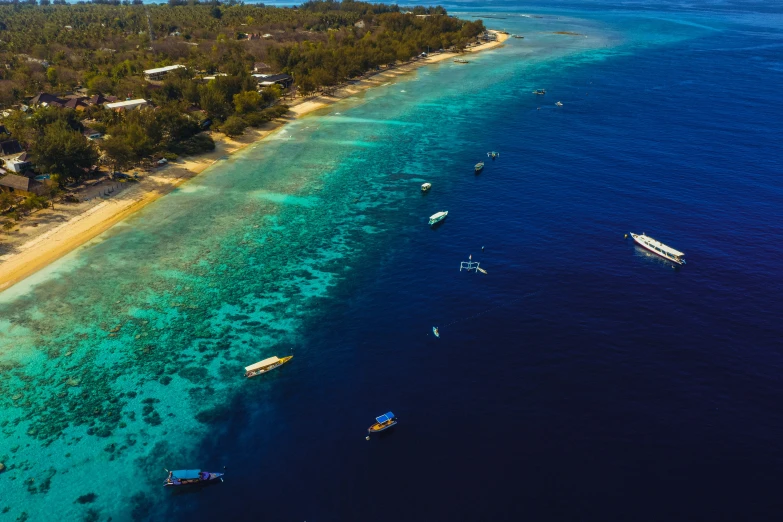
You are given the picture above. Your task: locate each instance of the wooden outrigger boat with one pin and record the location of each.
(191, 477)
(539, 91)
(460, 60)
(478, 167)
(266, 365)
(384, 422)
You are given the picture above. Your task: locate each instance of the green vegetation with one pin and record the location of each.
(104, 47)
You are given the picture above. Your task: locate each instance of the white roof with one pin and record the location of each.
(261, 364)
(164, 69)
(126, 103)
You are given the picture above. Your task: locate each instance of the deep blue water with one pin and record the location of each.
(607, 385)
(581, 379)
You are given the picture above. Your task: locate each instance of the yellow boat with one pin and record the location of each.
(264, 366)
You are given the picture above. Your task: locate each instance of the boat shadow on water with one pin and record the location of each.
(436, 226)
(192, 489)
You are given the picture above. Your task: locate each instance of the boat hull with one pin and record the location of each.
(659, 254)
(269, 368)
(378, 428)
(212, 479)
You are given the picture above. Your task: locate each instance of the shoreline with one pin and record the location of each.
(40, 250)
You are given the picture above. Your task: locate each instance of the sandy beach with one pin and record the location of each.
(50, 234)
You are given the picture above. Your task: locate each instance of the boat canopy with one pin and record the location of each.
(185, 474)
(386, 417)
(262, 364)
(667, 249)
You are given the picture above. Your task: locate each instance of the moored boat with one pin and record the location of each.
(517, 36)
(438, 217)
(539, 91)
(658, 248)
(435, 331)
(384, 422)
(266, 365)
(426, 186)
(559, 104)
(493, 154)
(191, 477)
(460, 60)
(479, 167)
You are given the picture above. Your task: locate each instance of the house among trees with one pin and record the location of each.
(10, 148)
(100, 99)
(21, 185)
(127, 105)
(266, 80)
(77, 103)
(261, 67)
(45, 99)
(161, 72)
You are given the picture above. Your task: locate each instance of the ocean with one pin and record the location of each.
(581, 378)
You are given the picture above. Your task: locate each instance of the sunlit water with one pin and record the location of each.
(580, 379)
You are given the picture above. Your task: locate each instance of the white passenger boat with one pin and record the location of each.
(266, 365)
(438, 217)
(559, 104)
(658, 248)
(426, 186)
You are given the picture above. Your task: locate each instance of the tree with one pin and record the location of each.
(62, 150)
(100, 84)
(234, 126)
(213, 101)
(34, 202)
(119, 152)
(247, 101)
(7, 200)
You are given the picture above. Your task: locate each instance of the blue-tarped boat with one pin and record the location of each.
(191, 477)
(384, 422)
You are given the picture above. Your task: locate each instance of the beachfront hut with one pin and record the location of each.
(21, 185)
(265, 80)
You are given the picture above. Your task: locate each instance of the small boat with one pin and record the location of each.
(266, 365)
(426, 186)
(559, 104)
(460, 60)
(191, 477)
(517, 36)
(384, 422)
(438, 217)
(479, 167)
(658, 248)
(435, 331)
(539, 91)
(493, 154)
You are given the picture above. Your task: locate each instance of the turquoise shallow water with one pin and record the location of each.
(126, 357)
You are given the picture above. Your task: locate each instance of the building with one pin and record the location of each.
(21, 185)
(77, 103)
(127, 105)
(161, 72)
(45, 99)
(265, 80)
(92, 134)
(100, 99)
(10, 148)
(261, 67)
